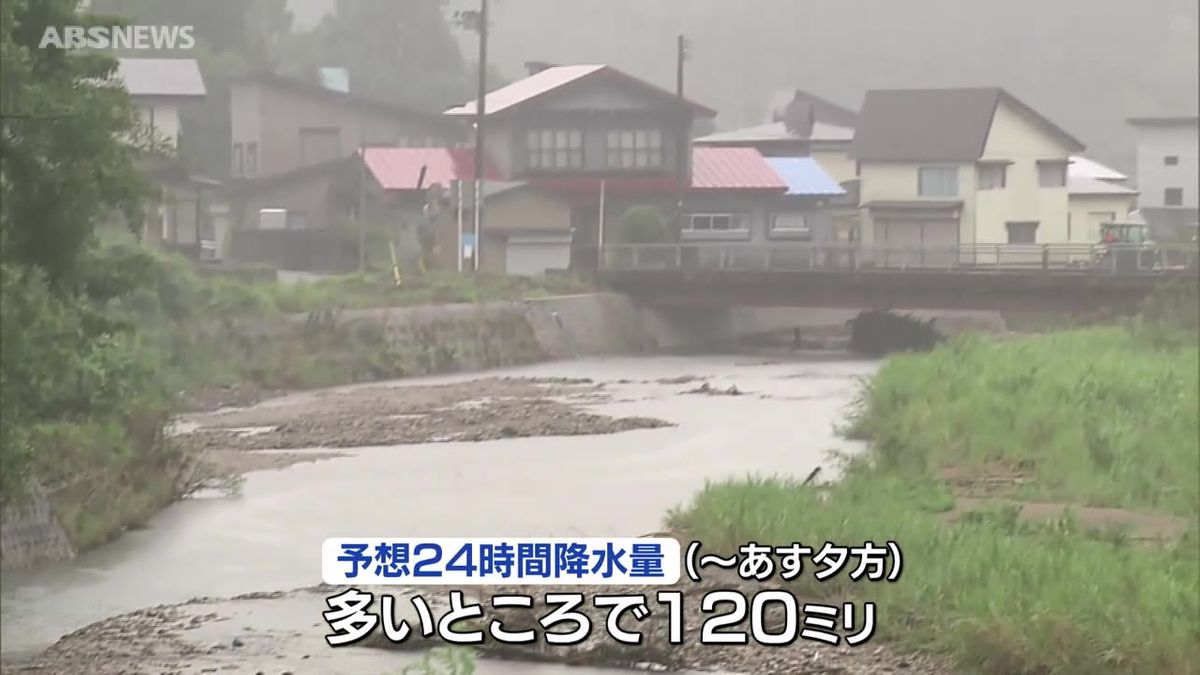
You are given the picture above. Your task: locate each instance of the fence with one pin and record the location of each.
(969, 258)
(331, 251)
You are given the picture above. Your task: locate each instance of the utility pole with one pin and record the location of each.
(682, 145)
(362, 189)
(480, 113)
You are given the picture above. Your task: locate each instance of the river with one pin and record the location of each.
(268, 537)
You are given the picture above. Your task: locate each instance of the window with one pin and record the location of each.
(555, 148)
(641, 149)
(251, 160)
(319, 144)
(1171, 160)
(938, 181)
(1052, 174)
(1022, 233)
(716, 222)
(789, 222)
(1173, 197)
(993, 176)
(239, 167)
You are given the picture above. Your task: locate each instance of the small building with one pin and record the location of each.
(806, 212)
(160, 89)
(940, 168)
(1095, 202)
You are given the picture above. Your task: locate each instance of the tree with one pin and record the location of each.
(643, 225)
(402, 52)
(63, 163)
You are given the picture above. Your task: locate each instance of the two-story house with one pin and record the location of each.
(186, 212)
(1167, 174)
(569, 150)
(280, 124)
(160, 89)
(576, 132)
(293, 142)
(940, 168)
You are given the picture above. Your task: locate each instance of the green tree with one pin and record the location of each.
(63, 163)
(643, 225)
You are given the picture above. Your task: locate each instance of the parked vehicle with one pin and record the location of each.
(1127, 247)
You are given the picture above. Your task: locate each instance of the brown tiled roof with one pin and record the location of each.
(924, 125)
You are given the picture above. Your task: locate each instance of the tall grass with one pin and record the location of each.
(1097, 416)
(1101, 416)
(998, 595)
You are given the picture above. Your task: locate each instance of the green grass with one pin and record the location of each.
(1096, 415)
(996, 595)
(1102, 416)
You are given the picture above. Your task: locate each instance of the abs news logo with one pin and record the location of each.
(118, 37)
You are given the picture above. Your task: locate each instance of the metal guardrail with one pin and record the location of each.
(1116, 259)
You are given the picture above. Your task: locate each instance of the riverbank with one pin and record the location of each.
(170, 341)
(215, 545)
(1043, 491)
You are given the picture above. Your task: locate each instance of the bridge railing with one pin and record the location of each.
(967, 258)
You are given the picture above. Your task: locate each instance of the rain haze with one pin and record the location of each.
(597, 337)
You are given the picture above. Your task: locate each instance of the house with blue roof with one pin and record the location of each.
(803, 213)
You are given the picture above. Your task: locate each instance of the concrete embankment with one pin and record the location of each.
(468, 337)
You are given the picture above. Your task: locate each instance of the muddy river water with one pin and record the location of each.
(268, 537)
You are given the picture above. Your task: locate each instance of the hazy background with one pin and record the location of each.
(1087, 64)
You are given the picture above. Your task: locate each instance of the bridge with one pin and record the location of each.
(997, 277)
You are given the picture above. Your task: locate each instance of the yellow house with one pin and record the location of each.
(940, 168)
(1097, 195)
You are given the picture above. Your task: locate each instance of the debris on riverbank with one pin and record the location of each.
(479, 410)
(709, 390)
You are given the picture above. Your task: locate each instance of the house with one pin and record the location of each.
(1097, 195)
(1167, 174)
(280, 124)
(732, 196)
(160, 89)
(294, 190)
(949, 167)
(575, 131)
(803, 212)
(186, 212)
(807, 126)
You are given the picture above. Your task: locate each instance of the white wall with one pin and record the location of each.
(1154, 176)
(162, 118)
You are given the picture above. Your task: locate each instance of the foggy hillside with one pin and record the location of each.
(1087, 64)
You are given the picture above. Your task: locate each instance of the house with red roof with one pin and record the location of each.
(569, 150)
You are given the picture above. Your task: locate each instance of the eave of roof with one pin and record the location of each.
(1087, 185)
(1180, 121)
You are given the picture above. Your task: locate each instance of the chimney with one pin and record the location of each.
(535, 67)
